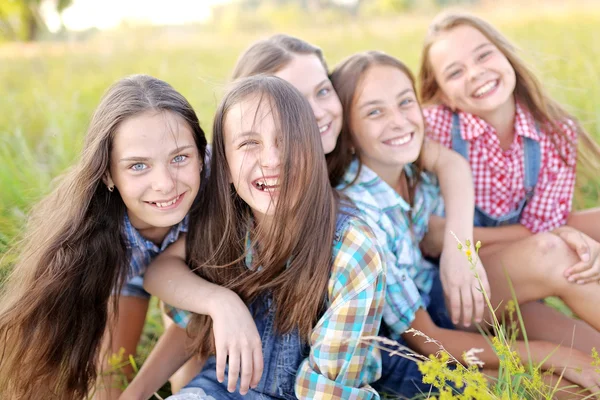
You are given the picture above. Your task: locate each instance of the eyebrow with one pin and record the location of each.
(139, 159)
(482, 45)
(375, 102)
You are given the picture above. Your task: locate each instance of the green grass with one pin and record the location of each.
(49, 90)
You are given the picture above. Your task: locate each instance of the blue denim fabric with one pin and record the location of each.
(134, 287)
(282, 355)
(532, 158)
(401, 377)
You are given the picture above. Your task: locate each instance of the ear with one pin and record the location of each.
(107, 179)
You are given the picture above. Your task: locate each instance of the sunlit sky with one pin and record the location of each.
(106, 14)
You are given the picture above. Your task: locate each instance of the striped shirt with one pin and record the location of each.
(340, 365)
(398, 230)
(142, 251)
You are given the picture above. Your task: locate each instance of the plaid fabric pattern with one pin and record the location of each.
(499, 175)
(142, 251)
(409, 277)
(340, 366)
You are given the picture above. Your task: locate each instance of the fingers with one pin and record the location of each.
(577, 242)
(590, 275)
(221, 360)
(247, 364)
(478, 304)
(454, 299)
(257, 368)
(467, 305)
(234, 370)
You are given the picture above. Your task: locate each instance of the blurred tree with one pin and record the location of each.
(22, 19)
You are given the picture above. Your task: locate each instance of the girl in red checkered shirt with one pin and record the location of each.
(485, 103)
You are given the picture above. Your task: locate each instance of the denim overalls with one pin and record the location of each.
(282, 354)
(532, 158)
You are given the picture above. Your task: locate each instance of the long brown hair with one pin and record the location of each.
(269, 56)
(346, 79)
(55, 307)
(528, 89)
(301, 235)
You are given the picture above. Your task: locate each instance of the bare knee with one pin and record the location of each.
(552, 256)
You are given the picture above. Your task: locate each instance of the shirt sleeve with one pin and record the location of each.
(438, 122)
(180, 317)
(551, 203)
(343, 360)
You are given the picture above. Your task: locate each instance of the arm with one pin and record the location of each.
(169, 354)
(576, 364)
(460, 284)
(501, 234)
(343, 361)
(236, 336)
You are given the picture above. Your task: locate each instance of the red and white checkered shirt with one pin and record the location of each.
(499, 174)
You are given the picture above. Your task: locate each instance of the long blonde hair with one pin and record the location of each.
(528, 89)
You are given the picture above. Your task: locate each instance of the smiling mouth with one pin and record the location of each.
(400, 140)
(324, 128)
(266, 184)
(486, 88)
(167, 204)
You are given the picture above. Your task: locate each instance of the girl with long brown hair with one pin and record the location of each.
(384, 123)
(483, 101)
(303, 65)
(124, 201)
(272, 230)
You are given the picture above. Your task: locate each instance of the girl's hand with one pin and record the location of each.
(433, 242)
(579, 370)
(588, 250)
(236, 338)
(461, 286)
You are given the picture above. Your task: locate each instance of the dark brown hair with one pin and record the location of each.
(55, 307)
(304, 218)
(346, 79)
(528, 89)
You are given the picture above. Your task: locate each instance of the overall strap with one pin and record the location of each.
(533, 160)
(460, 145)
(346, 210)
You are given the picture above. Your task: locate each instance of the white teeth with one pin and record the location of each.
(267, 184)
(168, 203)
(400, 141)
(485, 88)
(324, 128)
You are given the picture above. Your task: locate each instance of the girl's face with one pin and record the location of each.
(252, 148)
(386, 123)
(155, 165)
(306, 73)
(472, 73)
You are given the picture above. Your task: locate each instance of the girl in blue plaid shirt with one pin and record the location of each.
(124, 202)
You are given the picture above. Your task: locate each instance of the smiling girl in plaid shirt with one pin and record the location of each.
(486, 104)
(384, 124)
(271, 230)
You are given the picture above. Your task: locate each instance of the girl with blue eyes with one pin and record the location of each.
(77, 282)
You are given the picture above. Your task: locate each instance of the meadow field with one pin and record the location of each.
(48, 90)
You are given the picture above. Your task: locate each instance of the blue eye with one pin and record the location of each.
(454, 74)
(180, 158)
(323, 92)
(374, 112)
(484, 55)
(138, 167)
(406, 102)
(248, 143)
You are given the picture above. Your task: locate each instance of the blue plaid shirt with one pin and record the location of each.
(409, 277)
(142, 251)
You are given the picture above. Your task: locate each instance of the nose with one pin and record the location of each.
(398, 118)
(475, 71)
(270, 156)
(163, 180)
(318, 110)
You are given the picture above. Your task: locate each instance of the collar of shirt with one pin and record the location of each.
(472, 126)
(368, 179)
(134, 239)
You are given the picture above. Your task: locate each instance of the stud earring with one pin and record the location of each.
(111, 188)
